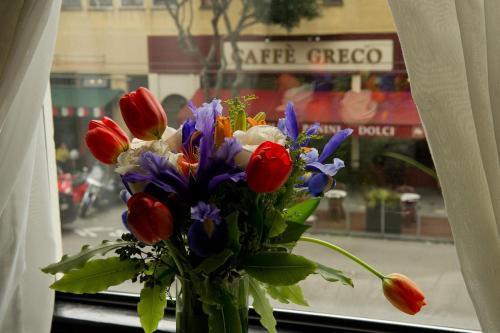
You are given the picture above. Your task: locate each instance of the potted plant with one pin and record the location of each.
(383, 211)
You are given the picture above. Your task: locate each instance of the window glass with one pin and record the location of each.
(132, 3)
(163, 3)
(71, 4)
(100, 3)
(342, 66)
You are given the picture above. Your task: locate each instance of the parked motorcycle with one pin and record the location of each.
(71, 190)
(102, 191)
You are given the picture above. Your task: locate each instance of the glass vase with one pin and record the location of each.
(189, 314)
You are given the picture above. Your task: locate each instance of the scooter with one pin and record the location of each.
(71, 190)
(102, 190)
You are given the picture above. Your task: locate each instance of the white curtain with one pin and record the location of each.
(452, 53)
(29, 222)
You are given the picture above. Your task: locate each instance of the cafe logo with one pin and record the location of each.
(373, 55)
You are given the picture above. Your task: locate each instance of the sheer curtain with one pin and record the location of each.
(29, 227)
(452, 53)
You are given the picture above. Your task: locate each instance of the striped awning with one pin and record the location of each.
(82, 112)
(82, 102)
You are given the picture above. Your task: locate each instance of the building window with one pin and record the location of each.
(132, 3)
(101, 4)
(163, 3)
(333, 2)
(71, 4)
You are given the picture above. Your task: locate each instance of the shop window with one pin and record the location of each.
(100, 4)
(71, 5)
(132, 3)
(136, 81)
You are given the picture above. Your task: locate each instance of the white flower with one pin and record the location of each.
(173, 137)
(252, 138)
(129, 160)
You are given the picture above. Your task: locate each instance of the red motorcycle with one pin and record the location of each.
(71, 191)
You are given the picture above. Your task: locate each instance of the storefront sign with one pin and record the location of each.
(351, 55)
(414, 132)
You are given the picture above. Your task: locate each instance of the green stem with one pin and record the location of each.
(173, 254)
(343, 252)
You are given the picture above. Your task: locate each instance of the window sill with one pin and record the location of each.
(116, 312)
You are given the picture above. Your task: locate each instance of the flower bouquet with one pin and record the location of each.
(217, 207)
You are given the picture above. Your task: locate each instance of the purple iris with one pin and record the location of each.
(214, 166)
(289, 126)
(321, 179)
(208, 233)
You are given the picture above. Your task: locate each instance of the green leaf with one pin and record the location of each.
(151, 307)
(78, 260)
(287, 294)
(262, 306)
(278, 268)
(214, 262)
(223, 317)
(301, 211)
(233, 232)
(276, 221)
(333, 275)
(97, 275)
(292, 233)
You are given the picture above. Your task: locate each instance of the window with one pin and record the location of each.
(101, 4)
(386, 208)
(132, 3)
(71, 4)
(163, 3)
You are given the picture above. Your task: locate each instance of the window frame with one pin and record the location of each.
(109, 312)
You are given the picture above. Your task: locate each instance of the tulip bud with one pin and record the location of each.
(269, 167)
(143, 114)
(403, 293)
(106, 140)
(149, 220)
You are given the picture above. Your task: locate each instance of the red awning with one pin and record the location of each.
(386, 114)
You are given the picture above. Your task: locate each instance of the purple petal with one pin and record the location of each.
(203, 211)
(319, 183)
(313, 129)
(282, 126)
(228, 150)
(311, 156)
(334, 143)
(152, 163)
(205, 124)
(135, 177)
(125, 195)
(192, 107)
(327, 169)
(235, 177)
(291, 122)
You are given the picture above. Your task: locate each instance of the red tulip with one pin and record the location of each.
(143, 114)
(149, 220)
(106, 140)
(268, 168)
(403, 293)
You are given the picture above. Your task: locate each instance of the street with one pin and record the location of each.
(433, 266)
